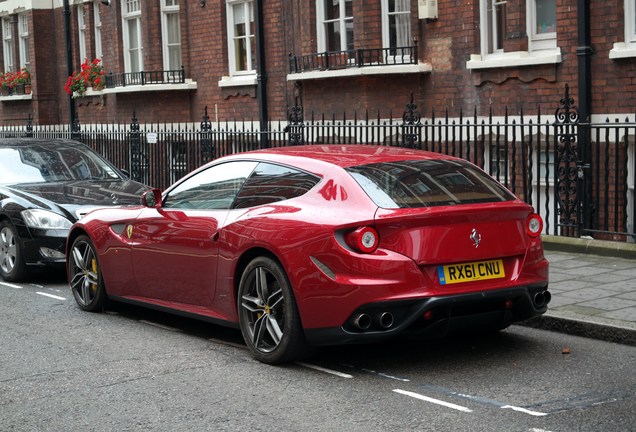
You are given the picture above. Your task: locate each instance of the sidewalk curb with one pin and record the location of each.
(621, 332)
(590, 246)
(576, 327)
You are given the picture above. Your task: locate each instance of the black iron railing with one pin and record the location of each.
(331, 60)
(176, 76)
(534, 156)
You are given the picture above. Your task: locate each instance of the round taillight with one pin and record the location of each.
(534, 225)
(364, 239)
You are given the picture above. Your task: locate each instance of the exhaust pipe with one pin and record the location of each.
(385, 320)
(539, 299)
(362, 321)
(547, 296)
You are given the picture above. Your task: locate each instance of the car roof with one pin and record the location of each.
(342, 155)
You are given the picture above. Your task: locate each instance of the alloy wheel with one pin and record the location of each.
(263, 305)
(8, 250)
(84, 275)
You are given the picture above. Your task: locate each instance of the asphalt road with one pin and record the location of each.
(62, 369)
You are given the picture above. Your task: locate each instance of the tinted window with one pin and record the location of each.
(418, 183)
(214, 188)
(271, 183)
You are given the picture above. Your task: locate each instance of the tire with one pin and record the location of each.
(85, 276)
(268, 315)
(12, 266)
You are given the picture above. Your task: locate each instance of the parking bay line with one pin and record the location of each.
(434, 401)
(322, 369)
(51, 296)
(11, 285)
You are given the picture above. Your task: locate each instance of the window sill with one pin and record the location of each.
(238, 81)
(188, 85)
(13, 98)
(361, 71)
(514, 59)
(622, 50)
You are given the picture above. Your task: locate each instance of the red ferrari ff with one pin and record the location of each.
(322, 244)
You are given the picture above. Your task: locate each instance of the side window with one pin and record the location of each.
(214, 188)
(271, 183)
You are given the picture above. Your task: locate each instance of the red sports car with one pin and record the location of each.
(319, 245)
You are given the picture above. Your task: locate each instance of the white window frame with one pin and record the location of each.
(321, 22)
(542, 49)
(232, 38)
(23, 33)
(386, 33)
(627, 48)
(170, 7)
(7, 44)
(97, 30)
(81, 33)
(538, 41)
(489, 31)
(131, 11)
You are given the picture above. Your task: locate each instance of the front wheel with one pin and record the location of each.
(268, 315)
(12, 266)
(85, 276)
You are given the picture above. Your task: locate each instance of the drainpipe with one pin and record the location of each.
(584, 53)
(261, 74)
(69, 58)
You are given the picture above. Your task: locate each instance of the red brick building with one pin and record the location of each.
(330, 56)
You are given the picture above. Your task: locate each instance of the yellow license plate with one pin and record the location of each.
(473, 271)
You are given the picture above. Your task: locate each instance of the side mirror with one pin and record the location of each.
(151, 198)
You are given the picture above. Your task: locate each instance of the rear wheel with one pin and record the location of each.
(85, 276)
(268, 315)
(12, 266)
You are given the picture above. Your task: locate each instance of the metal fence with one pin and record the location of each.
(537, 157)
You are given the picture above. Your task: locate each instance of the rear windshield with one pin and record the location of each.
(426, 183)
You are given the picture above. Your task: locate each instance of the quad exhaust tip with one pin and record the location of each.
(382, 320)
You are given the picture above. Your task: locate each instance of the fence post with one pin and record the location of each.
(75, 130)
(135, 149)
(411, 126)
(296, 125)
(29, 127)
(568, 167)
(207, 149)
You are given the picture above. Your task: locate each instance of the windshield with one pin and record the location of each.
(424, 183)
(52, 162)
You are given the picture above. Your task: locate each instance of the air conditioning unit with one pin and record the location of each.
(427, 9)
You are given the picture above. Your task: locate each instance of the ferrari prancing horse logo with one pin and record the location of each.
(475, 237)
(129, 230)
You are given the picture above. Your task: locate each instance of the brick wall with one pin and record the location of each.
(290, 27)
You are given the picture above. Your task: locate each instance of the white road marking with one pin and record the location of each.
(431, 400)
(10, 285)
(51, 296)
(538, 430)
(523, 410)
(322, 369)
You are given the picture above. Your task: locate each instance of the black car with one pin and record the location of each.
(45, 186)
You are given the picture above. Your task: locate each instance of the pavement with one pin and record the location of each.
(593, 286)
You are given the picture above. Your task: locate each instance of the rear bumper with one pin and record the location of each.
(435, 317)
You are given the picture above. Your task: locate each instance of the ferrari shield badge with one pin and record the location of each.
(129, 230)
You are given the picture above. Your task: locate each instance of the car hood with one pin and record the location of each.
(76, 198)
